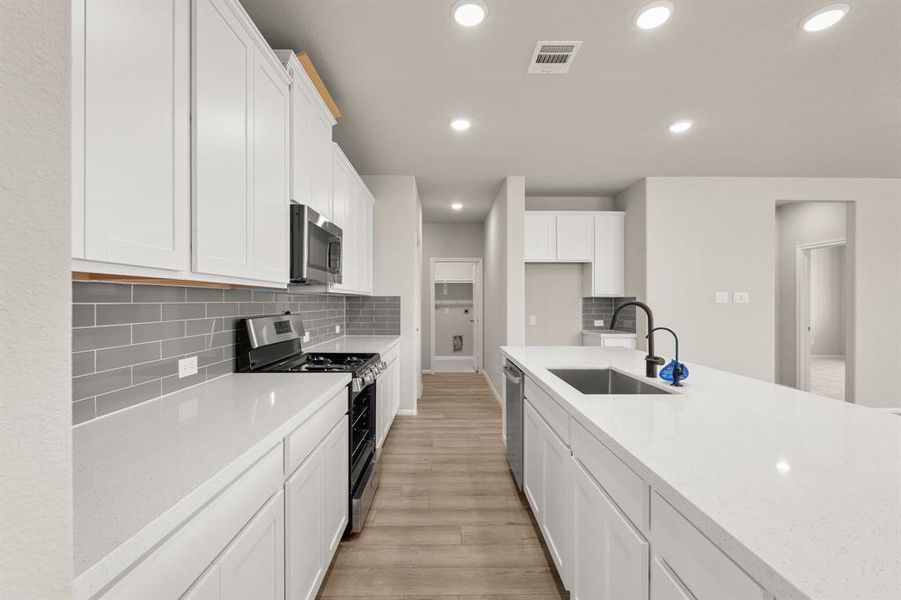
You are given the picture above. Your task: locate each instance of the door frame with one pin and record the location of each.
(477, 287)
(802, 310)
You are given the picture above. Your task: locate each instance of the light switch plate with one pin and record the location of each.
(741, 297)
(532, 320)
(306, 336)
(337, 329)
(599, 322)
(722, 297)
(187, 367)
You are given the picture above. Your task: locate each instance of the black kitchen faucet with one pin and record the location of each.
(651, 361)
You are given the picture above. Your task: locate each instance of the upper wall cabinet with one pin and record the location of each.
(311, 140)
(594, 238)
(559, 237)
(241, 148)
(131, 132)
(352, 211)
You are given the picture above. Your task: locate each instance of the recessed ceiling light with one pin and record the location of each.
(456, 206)
(654, 14)
(460, 124)
(469, 13)
(825, 17)
(680, 126)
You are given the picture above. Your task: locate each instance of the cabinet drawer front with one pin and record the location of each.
(696, 561)
(619, 481)
(665, 585)
(171, 569)
(300, 442)
(548, 408)
(391, 355)
(619, 342)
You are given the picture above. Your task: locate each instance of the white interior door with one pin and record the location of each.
(803, 324)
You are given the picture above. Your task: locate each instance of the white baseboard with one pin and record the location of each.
(406, 412)
(493, 391)
(428, 372)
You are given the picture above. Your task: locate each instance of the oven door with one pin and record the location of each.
(315, 247)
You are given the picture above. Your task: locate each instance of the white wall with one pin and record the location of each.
(554, 298)
(827, 313)
(799, 223)
(444, 240)
(35, 303)
(504, 287)
(569, 203)
(396, 268)
(633, 201)
(721, 232)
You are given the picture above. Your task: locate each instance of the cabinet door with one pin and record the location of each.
(557, 518)
(383, 406)
(395, 389)
(533, 464)
(270, 173)
(208, 587)
(368, 211)
(540, 237)
(665, 585)
(305, 528)
(609, 268)
(361, 254)
(610, 558)
(223, 71)
(321, 161)
(337, 480)
(575, 238)
(253, 566)
(301, 139)
(619, 342)
(131, 141)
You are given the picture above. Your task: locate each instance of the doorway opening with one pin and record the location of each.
(821, 318)
(456, 319)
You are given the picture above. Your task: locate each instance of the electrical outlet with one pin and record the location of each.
(722, 297)
(741, 297)
(187, 367)
(306, 336)
(337, 329)
(599, 322)
(532, 320)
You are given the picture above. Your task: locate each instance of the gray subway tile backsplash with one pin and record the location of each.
(130, 353)
(602, 309)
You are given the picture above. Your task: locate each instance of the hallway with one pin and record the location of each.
(447, 522)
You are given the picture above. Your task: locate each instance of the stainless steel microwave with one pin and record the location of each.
(315, 247)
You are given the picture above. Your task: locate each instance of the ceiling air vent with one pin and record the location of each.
(553, 57)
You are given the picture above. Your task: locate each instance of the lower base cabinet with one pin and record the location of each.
(610, 557)
(316, 513)
(387, 397)
(665, 585)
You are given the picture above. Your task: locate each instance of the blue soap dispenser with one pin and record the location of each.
(675, 372)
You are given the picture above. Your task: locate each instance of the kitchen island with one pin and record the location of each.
(801, 493)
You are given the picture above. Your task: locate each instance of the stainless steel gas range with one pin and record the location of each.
(273, 345)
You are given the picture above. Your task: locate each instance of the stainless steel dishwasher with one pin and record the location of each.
(514, 400)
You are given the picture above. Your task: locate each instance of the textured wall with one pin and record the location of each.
(35, 423)
(127, 339)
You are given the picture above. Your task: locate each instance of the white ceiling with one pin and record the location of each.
(767, 99)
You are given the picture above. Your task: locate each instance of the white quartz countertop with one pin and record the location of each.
(357, 343)
(803, 492)
(141, 472)
(609, 333)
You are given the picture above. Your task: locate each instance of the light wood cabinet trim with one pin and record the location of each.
(304, 59)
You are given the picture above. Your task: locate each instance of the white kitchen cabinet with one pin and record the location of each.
(311, 140)
(253, 566)
(271, 153)
(665, 585)
(540, 237)
(208, 587)
(240, 151)
(606, 275)
(701, 568)
(316, 513)
(610, 341)
(131, 176)
(610, 557)
(387, 396)
(547, 483)
(352, 207)
(575, 237)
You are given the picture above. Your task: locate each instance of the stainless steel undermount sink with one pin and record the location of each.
(605, 381)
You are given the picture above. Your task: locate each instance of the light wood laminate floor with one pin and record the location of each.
(447, 522)
(827, 376)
